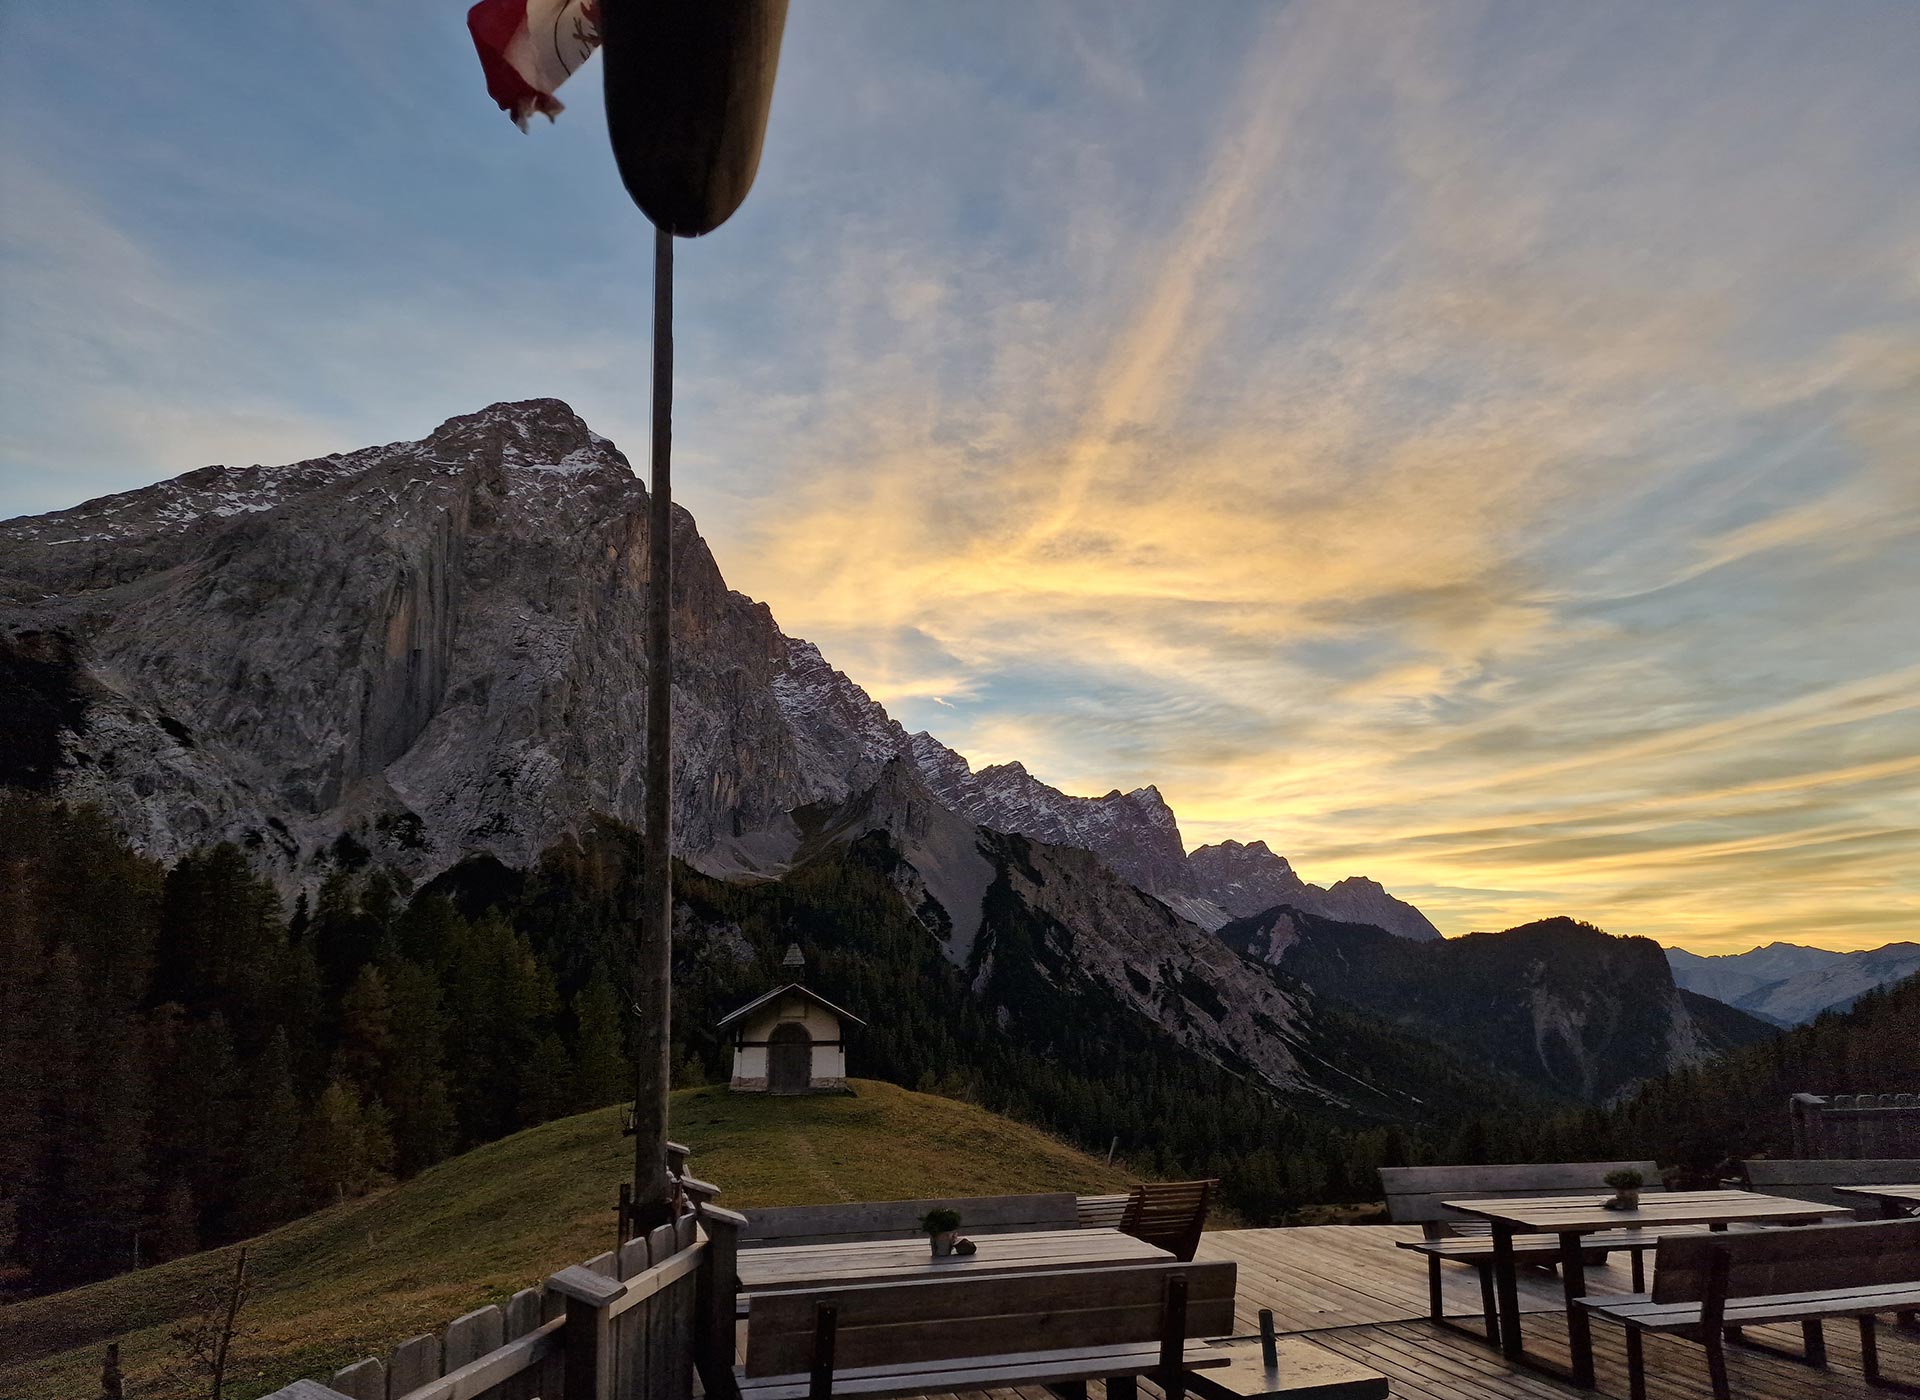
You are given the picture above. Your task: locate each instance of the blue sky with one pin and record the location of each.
(1476, 445)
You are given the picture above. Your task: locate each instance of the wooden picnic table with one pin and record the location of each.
(1572, 1218)
(777, 1267)
(1895, 1201)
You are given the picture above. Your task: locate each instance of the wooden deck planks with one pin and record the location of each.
(1354, 1294)
(1322, 1276)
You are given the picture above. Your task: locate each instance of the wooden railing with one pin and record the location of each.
(631, 1325)
(1855, 1126)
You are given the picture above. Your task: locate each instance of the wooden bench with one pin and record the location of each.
(1415, 1195)
(1814, 1180)
(1169, 1214)
(1706, 1287)
(987, 1331)
(848, 1222)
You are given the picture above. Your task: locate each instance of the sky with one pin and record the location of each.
(1472, 445)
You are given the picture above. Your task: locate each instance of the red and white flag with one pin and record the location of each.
(529, 47)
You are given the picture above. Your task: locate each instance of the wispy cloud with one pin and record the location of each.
(1466, 445)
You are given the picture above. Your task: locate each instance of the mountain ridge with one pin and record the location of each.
(1559, 1003)
(457, 674)
(1789, 984)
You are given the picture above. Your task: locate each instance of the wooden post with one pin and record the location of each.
(1269, 1344)
(589, 1366)
(820, 1377)
(111, 1381)
(1173, 1340)
(717, 1299)
(653, 965)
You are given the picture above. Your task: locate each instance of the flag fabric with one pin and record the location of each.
(529, 47)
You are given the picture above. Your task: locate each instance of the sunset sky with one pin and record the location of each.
(1476, 446)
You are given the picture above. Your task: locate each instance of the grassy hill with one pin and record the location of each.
(353, 1280)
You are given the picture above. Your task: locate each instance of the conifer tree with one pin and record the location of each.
(547, 1084)
(104, 1190)
(413, 1080)
(196, 1086)
(266, 1190)
(500, 1003)
(366, 1032)
(602, 1074)
(345, 1148)
(175, 1231)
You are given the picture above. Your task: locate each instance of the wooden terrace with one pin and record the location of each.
(1349, 1290)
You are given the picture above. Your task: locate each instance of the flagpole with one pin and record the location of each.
(688, 84)
(653, 970)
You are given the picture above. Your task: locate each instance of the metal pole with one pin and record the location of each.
(653, 967)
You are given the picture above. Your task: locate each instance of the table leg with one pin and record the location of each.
(1509, 1289)
(1573, 1285)
(1123, 1387)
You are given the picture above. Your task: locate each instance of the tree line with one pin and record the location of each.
(184, 1061)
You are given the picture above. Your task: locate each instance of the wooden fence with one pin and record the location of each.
(631, 1325)
(1855, 1126)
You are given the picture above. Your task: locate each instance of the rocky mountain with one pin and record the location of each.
(430, 652)
(1134, 832)
(1789, 984)
(993, 895)
(433, 646)
(1244, 880)
(1138, 837)
(1559, 1004)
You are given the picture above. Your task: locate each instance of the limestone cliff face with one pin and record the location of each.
(435, 646)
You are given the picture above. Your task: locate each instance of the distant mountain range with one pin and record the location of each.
(1558, 1004)
(429, 653)
(1789, 984)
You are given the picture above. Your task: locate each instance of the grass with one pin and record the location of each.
(353, 1280)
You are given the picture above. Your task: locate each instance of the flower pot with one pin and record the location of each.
(1625, 1200)
(942, 1243)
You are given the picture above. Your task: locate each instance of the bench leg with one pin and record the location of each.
(1511, 1341)
(1435, 1308)
(1573, 1287)
(1069, 1390)
(1636, 1365)
(1487, 1309)
(1869, 1348)
(1717, 1366)
(1816, 1340)
(1639, 1257)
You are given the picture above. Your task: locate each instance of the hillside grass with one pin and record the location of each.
(354, 1280)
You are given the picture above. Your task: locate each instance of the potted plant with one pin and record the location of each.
(940, 1225)
(1626, 1184)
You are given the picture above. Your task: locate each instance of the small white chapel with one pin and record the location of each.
(791, 1040)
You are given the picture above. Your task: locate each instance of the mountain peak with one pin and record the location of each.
(523, 433)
